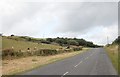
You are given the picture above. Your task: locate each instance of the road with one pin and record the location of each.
(93, 62)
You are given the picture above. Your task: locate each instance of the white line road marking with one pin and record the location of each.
(64, 74)
(78, 64)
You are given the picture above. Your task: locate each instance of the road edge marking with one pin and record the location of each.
(64, 74)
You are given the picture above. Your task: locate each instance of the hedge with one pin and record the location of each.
(11, 53)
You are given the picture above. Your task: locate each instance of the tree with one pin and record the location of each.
(12, 35)
(73, 42)
(45, 41)
(50, 39)
(59, 41)
(81, 42)
(29, 39)
(90, 44)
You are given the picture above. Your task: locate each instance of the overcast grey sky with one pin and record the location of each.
(93, 21)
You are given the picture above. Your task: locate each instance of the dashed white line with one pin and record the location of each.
(64, 74)
(78, 64)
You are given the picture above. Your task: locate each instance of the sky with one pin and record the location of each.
(91, 20)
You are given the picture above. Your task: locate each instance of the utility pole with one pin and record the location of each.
(107, 40)
(43, 35)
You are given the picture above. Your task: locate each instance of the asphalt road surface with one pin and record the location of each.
(92, 62)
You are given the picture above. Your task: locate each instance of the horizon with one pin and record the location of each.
(60, 37)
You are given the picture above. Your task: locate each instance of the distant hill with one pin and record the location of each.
(22, 43)
(59, 41)
(22, 46)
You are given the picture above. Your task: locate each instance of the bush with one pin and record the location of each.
(50, 39)
(11, 53)
(77, 48)
(7, 52)
(73, 42)
(45, 52)
(18, 54)
(68, 50)
(46, 42)
(12, 35)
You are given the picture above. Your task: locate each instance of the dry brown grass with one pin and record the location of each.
(113, 48)
(23, 64)
(113, 54)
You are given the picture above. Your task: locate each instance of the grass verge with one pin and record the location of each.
(15, 66)
(113, 54)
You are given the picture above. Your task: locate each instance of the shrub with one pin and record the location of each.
(68, 50)
(46, 42)
(11, 53)
(73, 42)
(46, 52)
(7, 52)
(12, 35)
(34, 60)
(77, 48)
(18, 54)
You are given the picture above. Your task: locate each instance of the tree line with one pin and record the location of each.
(71, 41)
(63, 41)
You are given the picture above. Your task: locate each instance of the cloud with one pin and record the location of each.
(64, 19)
(18, 12)
(88, 15)
(100, 34)
(119, 19)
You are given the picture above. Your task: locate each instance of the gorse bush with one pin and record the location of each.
(76, 49)
(7, 52)
(45, 52)
(10, 53)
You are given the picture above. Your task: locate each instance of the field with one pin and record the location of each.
(23, 45)
(112, 51)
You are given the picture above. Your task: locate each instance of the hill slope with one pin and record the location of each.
(19, 44)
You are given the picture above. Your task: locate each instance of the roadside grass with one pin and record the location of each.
(113, 54)
(17, 66)
(0, 42)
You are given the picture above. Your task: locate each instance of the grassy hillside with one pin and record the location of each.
(17, 47)
(17, 63)
(21, 44)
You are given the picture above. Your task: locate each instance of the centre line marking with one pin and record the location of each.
(78, 64)
(64, 74)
